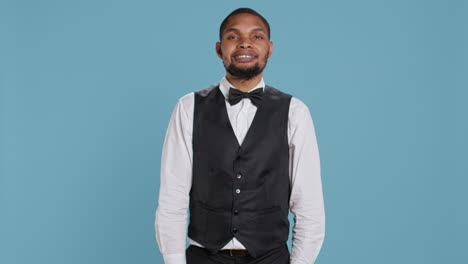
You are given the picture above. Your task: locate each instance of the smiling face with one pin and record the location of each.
(245, 46)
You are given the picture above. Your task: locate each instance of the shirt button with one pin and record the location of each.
(237, 191)
(236, 212)
(234, 230)
(239, 176)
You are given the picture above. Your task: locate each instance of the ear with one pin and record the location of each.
(271, 49)
(218, 50)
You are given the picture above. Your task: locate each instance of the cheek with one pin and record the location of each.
(267, 52)
(226, 54)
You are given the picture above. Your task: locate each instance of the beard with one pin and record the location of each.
(245, 73)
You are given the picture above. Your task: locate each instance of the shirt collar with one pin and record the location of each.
(224, 86)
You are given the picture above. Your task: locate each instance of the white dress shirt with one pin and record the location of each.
(306, 201)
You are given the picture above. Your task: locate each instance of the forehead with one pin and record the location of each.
(245, 21)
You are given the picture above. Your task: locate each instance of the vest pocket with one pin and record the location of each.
(271, 224)
(208, 207)
(208, 224)
(269, 210)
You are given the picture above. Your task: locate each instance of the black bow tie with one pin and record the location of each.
(235, 96)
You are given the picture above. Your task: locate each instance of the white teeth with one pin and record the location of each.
(244, 57)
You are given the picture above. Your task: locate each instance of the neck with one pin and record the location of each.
(243, 84)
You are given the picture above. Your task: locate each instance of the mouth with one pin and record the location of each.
(245, 57)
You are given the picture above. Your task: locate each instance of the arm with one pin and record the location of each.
(176, 180)
(306, 202)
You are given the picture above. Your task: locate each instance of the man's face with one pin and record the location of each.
(245, 46)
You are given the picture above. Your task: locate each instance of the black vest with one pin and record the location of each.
(240, 191)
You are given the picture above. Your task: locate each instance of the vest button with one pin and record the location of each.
(239, 176)
(237, 191)
(236, 212)
(234, 230)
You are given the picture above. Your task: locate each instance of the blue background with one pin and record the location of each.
(87, 89)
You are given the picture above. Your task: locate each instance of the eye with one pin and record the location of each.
(231, 37)
(258, 37)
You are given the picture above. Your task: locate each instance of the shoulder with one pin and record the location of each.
(277, 93)
(186, 103)
(184, 106)
(298, 106)
(206, 91)
(298, 112)
(186, 99)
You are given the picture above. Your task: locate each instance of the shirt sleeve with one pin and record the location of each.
(306, 202)
(175, 183)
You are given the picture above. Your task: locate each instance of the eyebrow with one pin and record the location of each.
(237, 30)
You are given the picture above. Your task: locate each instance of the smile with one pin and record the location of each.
(244, 58)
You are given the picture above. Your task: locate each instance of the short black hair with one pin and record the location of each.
(242, 10)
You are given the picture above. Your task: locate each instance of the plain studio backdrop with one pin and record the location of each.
(88, 87)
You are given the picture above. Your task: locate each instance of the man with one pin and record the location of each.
(239, 155)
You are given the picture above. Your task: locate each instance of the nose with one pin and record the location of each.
(245, 43)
